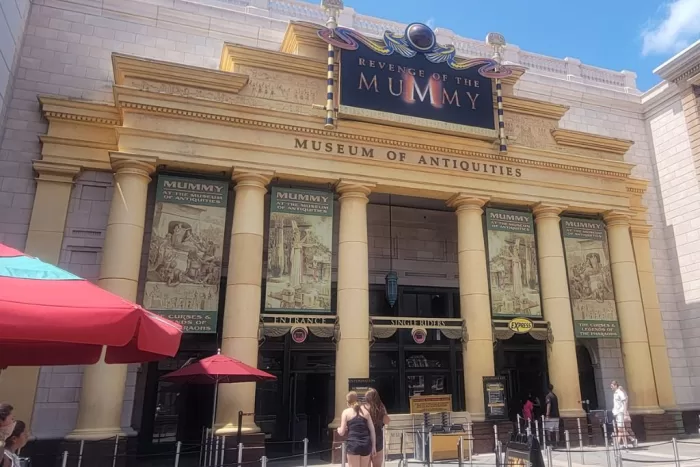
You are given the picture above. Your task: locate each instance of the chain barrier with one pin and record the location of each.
(581, 442)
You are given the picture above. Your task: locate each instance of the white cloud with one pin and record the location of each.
(679, 27)
(430, 23)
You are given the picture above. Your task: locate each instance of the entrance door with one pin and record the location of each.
(523, 362)
(312, 407)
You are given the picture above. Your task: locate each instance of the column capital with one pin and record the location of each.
(617, 218)
(349, 188)
(464, 201)
(133, 164)
(49, 171)
(640, 230)
(252, 178)
(548, 211)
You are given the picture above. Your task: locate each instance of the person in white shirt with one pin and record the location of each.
(623, 422)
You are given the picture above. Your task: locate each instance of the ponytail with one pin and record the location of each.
(353, 401)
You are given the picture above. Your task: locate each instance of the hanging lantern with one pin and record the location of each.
(392, 287)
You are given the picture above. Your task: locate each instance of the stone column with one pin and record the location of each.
(102, 394)
(243, 298)
(352, 353)
(652, 316)
(634, 340)
(54, 184)
(561, 353)
(475, 304)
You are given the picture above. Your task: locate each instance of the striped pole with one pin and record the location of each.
(332, 7)
(501, 124)
(330, 101)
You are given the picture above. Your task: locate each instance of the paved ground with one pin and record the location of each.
(646, 455)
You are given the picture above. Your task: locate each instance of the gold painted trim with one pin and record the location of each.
(302, 34)
(387, 118)
(60, 108)
(379, 141)
(235, 54)
(582, 140)
(130, 67)
(46, 139)
(522, 105)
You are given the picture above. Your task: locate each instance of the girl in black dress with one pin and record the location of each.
(356, 423)
(377, 411)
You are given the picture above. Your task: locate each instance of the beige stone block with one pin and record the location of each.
(182, 17)
(246, 255)
(242, 311)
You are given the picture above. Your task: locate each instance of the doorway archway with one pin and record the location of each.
(587, 378)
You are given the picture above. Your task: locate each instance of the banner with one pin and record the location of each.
(184, 257)
(590, 280)
(513, 279)
(300, 244)
(495, 400)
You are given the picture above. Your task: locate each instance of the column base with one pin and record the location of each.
(336, 454)
(658, 427)
(653, 410)
(253, 448)
(48, 452)
(484, 436)
(232, 430)
(96, 434)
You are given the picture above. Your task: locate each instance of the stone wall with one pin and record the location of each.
(680, 198)
(13, 20)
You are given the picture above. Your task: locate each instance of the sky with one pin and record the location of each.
(634, 35)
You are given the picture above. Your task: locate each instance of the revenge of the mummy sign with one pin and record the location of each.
(300, 242)
(590, 278)
(512, 254)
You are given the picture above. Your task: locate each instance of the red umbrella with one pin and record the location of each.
(51, 317)
(217, 369)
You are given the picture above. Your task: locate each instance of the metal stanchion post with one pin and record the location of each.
(343, 454)
(207, 447)
(430, 449)
(549, 456)
(201, 446)
(263, 461)
(404, 460)
(223, 450)
(607, 446)
(580, 439)
(528, 430)
(605, 434)
(240, 454)
(568, 447)
(64, 459)
(518, 421)
(306, 452)
(537, 432)
(384, 438)
(676, 457)
(470, 427)
(495, 436)
(460, 452)
(178, 448)
(80, 454)
(116, 450)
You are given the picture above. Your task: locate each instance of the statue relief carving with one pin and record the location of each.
(285, 87)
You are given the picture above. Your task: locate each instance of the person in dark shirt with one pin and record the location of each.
(551, 417)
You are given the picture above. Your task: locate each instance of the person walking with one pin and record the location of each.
(357, 424)
(623, 421)
(16, 441)
(7, 423)
(375, 407)
(551, 416)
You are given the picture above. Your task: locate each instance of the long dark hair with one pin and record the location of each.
(16, 433)
(5, 411)
(376, 407)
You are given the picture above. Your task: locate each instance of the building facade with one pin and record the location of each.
(580, 219)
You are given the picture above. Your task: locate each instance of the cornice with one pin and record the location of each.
(61, 108)
(534, 107)
(518, 72)
(51, 171)
(582, 140)
(235, 54)
(81, 143)
(129, 67)
(299, 130)
(681, 66)
(301, 34)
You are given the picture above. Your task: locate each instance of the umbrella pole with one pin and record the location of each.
(216, 400)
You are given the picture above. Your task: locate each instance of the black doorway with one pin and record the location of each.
(311, 408)
(586, 377)
(522, 360)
